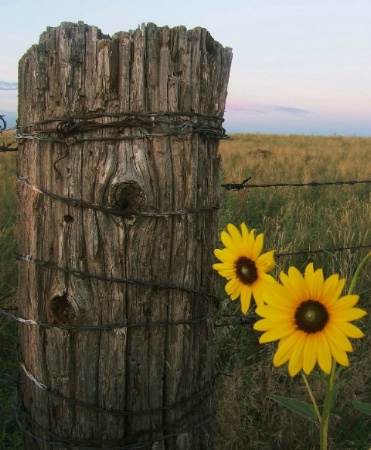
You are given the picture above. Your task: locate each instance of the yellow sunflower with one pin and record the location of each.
(310, 320)
(244, 265)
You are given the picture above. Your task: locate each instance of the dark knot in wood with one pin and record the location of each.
(64, 309)
(128, 196)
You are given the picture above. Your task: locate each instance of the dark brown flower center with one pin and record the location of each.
(246, 270)
(311, 316)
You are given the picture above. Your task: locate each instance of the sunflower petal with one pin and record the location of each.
(297, 355)
(229, 242)
(337, 338)
(245, 298)
(266, 262)
(258, 247)
(332, 288)
(233, 288)
(244, 232)
(276, 295)
(248, 245)
(309, 353)
(262, 289)
(274, 334)
(309, 271)
(346, 302)
(338, 353)
(235, 235)
(284, 350)
(350, 314)
(315, 283)
(349, 330)
(324, 354)
(295, 282)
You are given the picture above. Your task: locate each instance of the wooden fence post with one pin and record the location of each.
(117, 220)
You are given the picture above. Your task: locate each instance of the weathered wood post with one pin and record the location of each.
(117, 221)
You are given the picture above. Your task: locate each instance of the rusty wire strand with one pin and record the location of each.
(203, 392)
(87, 275)
(152, 124)
(108, 445)
(244, 185)
(77, 203)
(116, 327)
(149, 125)
(65, 442)
(322, 250)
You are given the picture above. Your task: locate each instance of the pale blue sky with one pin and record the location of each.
(298, 66)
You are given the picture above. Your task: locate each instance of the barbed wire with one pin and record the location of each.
(116, 327)
(87, 275)
(76, 203)
(244, 185)
(149, 125)
(23, 420)
(322, 250)
(204, 392)
(2, 123)
(198, 398)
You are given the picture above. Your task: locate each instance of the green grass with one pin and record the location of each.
(293, 219)
(10, 436)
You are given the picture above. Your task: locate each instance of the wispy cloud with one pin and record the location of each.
(8, 86)
(289, 110)
(252, 109)
(265, 109)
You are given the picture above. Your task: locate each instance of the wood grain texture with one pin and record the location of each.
(141, 383)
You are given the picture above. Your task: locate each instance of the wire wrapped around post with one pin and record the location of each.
(118, 177)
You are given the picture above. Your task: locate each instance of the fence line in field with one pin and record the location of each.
(65, 127)
(220, 320)
(244, 185)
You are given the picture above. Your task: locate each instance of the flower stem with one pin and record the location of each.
(326, 408)
(357, 272)
(312, 397)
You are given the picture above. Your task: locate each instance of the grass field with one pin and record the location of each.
(293, 219)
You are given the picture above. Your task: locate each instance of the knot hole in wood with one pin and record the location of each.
(64, 309)
(128, 196)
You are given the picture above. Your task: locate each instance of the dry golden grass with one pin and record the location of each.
(7, 138)
(295, 158)
(293, 219)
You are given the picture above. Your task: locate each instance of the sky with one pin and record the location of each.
(299, 66)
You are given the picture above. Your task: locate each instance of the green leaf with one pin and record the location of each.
(297, 406)
(364, 407)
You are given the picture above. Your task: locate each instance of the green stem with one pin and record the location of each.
(326, 408)
(312, 397)
(357, 272)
